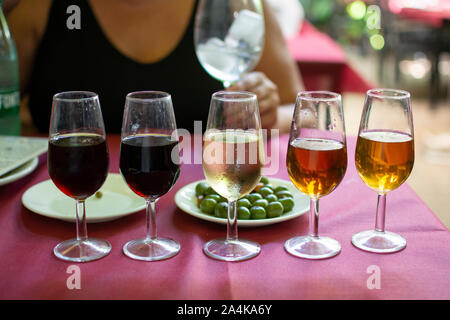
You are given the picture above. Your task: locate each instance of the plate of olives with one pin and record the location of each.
(271, 201)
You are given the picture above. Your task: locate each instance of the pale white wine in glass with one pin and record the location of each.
(233, 158)
(237, 177)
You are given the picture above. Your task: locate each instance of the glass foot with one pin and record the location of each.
(151, 249)
(231, 250)
(82, 250)
(309, 247)
(378, 242)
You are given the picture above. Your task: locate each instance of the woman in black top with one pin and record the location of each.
(130, 45)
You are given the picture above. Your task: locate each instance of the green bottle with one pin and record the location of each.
(9, 81)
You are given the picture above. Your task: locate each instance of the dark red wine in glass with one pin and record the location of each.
(149, 163)
(146, 164)
(78, 163)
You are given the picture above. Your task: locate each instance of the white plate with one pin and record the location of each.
(186, 200)
(19, 172)
(117, 201)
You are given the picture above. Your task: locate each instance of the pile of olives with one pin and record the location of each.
(264, 202)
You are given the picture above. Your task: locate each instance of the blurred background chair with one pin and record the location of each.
(419, 32)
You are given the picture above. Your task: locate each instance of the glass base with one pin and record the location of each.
(82, 250)
(309, 247)
(231, 250)
(151, 249)
(378, 242)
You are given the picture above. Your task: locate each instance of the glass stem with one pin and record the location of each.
(81, 221)
(151, 220)
(232, 233)
(314, 218)
(381, 213)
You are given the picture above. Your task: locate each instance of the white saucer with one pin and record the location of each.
(186, 201)
(117, 200)
(19, 172)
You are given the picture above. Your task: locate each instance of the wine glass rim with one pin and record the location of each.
(153, 95)
(61, 96)
(387, 93)
(231, 96)
(326, 95)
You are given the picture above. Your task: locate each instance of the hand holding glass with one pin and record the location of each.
(229, 37)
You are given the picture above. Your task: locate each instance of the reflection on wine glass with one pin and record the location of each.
(229, 37)
(78, 164)
(149, 163)
(233, 157)
(384, 159)
(316, 163)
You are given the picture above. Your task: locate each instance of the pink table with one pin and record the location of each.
(418, 272)
(323, 63)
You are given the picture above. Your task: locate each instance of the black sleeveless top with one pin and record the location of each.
(84, 59)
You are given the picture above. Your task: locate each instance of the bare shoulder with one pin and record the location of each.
(30, 17)
(27, 22)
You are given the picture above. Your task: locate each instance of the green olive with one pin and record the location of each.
(221, 210)
(243, 213)
(215, 197)
(284, 194)
(264, 180)
(207, 205)
(288, 204)
(261, 203)
(244, 202)
(209, 191)
(253, 197)
(271, 198)
(200, 188)
(281, 188)
(257, 187)
(274, 209)
(257, 212)
(265, 191)
(269, 186)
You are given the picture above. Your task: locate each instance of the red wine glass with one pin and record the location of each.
(149, 163)
(78, 163)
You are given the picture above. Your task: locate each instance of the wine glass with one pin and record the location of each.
(233, 157)
(316, 163)
(149, 163)
(229, 37)
(78, 163)
(384, 159)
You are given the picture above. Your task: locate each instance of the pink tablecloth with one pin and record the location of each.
(323, 63)
(28, 269)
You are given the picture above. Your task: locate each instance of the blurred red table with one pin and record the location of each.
(323, 63)
(431, 12)
(28, 269)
